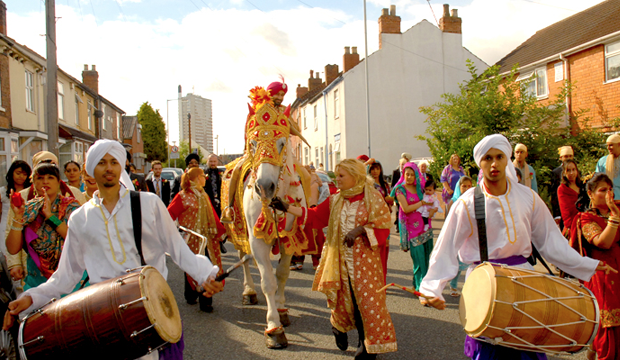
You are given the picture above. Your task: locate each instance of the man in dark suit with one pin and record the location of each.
(137, 180)
(159, 185)
(213, 188)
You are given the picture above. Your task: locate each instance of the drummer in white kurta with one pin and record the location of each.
(516, 217)
(100, 238)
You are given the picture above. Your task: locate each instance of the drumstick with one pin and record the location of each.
(416, 293)
(229, 270)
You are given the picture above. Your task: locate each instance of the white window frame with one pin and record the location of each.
(90, 115)
(306, 155)
(305, 123)
(534, 84)
(611, 55)
(77, 110)
(61, 101)
(316, 114)
(336, 104)
(321, 159)
(103, 118)
(29, 81)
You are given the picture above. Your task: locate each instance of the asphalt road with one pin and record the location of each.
(234, 331)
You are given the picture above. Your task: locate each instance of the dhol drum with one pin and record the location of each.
(122, 318)
(528, 310)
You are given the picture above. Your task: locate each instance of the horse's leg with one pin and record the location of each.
(282, 272)
(249, 292)
(274, 335)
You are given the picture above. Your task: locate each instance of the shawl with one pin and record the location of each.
(378, 218)
(419, 181)
(205, 224)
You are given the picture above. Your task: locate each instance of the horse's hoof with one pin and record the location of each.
(250, 299)
(275, 338)
(284, 320)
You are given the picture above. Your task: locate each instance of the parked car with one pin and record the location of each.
(325, 178)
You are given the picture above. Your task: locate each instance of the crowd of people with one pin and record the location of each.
(61, 236)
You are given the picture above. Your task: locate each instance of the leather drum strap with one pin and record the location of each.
(479, 210)
(136, 219)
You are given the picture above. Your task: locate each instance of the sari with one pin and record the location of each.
(606, 287)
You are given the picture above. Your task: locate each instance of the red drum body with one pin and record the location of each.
(122, 318)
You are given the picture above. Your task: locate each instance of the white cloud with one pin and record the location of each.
(224, 53)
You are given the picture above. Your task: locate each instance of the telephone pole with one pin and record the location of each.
(51, 101)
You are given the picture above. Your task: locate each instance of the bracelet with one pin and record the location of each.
(53, 222)
(19, 222)
(17, 228)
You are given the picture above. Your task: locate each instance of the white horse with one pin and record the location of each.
(266, 182)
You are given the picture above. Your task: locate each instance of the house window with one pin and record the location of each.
(321, 158)
(103, 119)
(537, 85)
(316, 157)
(305, 124)
(90, 115)
(61, 101)
(306, 156)
(77, 111)
(1, 92)
(612, 61)
(118, 127)
(316, 113)
(336, 104)
(29, 91)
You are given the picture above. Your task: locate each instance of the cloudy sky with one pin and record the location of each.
(220, 49)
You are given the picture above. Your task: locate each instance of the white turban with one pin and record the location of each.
(102, 147)
(499, 142)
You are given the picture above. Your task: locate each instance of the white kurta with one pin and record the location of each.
(103, 244)
(513, 221)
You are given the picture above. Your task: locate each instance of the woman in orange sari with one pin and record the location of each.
(358, 224)
(594, 233)
(192, 207)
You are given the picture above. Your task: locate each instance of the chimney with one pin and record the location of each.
(90, 78)
(450, 23)
(331, 73)
(301, 91)
(2, 17)
(350, 60)
(314, 82)
(389, 23)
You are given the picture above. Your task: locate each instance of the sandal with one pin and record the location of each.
(454, 292)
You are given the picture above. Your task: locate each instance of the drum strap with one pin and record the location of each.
(136, 219)
(479, 210)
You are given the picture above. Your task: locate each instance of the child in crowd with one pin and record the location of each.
(465, 183)
(430, 204)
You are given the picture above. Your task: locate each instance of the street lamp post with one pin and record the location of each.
(168, 127)
(217, 143)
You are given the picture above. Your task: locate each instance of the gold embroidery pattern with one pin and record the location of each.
(591, 230)
(610, 318)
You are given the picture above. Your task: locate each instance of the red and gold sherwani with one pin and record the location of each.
(185, 207)
(359, 267)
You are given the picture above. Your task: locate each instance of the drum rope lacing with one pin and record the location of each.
(515, 305)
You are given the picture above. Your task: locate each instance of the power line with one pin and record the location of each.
(195, 5)
(433, 11)
(312, 7)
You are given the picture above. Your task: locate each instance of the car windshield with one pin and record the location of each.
(168, 175)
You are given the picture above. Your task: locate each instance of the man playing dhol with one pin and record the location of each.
(516, 217)
(610, 164)
(100, 238)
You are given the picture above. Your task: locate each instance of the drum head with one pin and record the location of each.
(478, 299)
(160, 305)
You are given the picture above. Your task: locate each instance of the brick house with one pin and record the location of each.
(583, 49)
(132, 140)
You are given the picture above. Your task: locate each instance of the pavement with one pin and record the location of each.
(235, 331)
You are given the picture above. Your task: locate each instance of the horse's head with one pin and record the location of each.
(268, 131)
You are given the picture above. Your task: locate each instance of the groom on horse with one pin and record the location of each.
(277, 90)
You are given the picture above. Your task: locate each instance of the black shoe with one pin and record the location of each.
(206, 304)
(223, 248)
(191, 302)
(342, 340)
(362, 354)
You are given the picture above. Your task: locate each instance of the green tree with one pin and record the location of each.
(183, 152)
(153, 133)
(488, 104)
